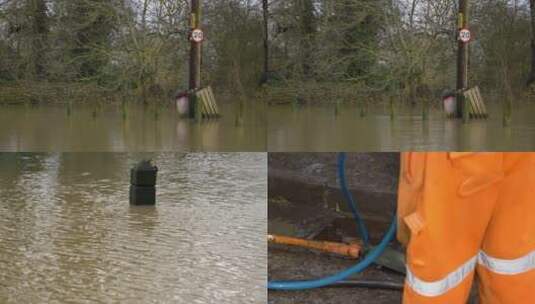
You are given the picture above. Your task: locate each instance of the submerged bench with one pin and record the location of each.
(206, 104)
(475, 106)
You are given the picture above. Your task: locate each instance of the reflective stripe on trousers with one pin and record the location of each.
(454, 278)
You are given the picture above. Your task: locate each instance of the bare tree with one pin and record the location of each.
(265, 14)
(531, 78)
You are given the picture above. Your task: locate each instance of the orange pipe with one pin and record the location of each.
(347, 250)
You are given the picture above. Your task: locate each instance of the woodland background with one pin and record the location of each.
(316, 50)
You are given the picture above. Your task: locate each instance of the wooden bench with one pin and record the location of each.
(475, 106)
(206, 106)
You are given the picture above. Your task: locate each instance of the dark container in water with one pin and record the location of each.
(143, 174)
(140, 195)
(143, 184)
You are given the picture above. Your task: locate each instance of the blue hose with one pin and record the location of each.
(342, 275)
(359, 267)
(349, 199)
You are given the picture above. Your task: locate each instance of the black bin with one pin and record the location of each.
(143, 183)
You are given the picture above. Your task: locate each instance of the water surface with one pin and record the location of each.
(352, 128)
(68, 234)
(134, 127)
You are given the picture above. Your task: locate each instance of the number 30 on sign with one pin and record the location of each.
(197, 35)
(465, 35)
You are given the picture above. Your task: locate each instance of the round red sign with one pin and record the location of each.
(197, 35)
(465, 35)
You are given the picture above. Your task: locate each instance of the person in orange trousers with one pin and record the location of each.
(467, 215)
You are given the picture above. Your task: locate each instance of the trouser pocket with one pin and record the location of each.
(479, 170)
(412, 175)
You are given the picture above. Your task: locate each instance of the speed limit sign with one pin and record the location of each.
(197, 35)
(465, 35)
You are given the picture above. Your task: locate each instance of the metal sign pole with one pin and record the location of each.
(195, 55)
(462, 58)
(195, 50)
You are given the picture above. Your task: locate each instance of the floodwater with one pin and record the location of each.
(352, 128)
(134, 127)
(68, 234)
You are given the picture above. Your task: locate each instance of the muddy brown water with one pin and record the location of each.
(68, 234)
(134, 127)
(323, 128)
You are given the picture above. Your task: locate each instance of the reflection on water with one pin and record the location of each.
(326, 128)
(68, 234)
(132, 128)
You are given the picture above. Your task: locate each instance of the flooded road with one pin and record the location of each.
(114, 128)
(68, 234)
(350, 128)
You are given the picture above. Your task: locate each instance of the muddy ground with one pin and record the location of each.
(291, 264)
(305, 200)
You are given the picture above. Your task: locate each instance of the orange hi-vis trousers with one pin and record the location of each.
(464, 215)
